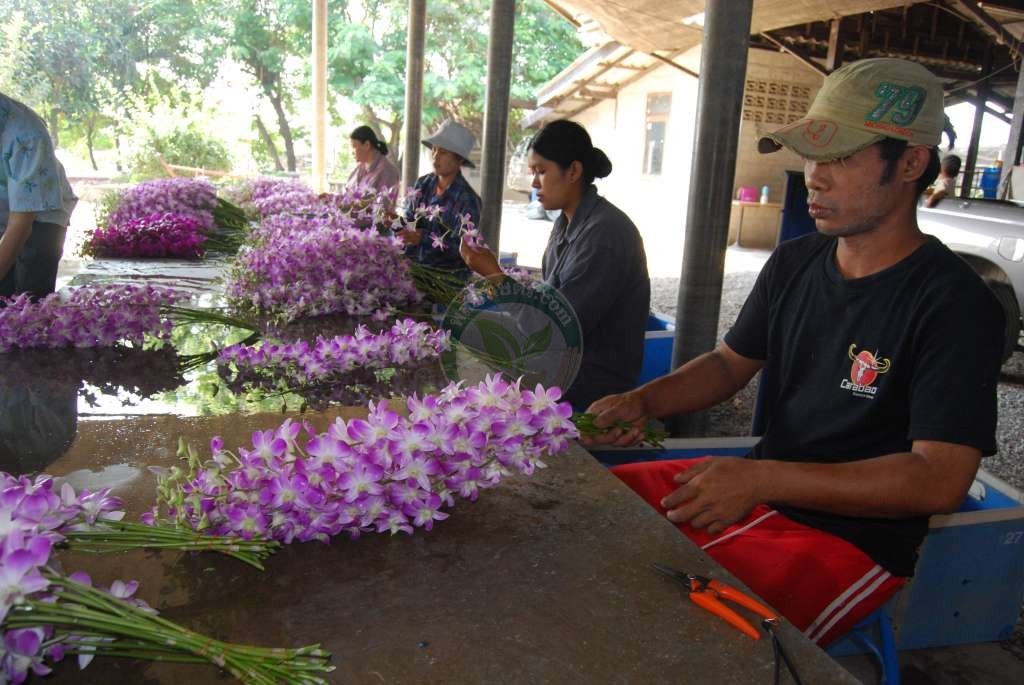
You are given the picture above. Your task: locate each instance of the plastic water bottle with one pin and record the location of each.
(764, 195)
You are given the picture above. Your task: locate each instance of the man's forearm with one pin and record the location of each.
(891, 486)
(19, 228)
(700, 383)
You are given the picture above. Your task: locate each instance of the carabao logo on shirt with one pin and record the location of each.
(897, 108)
(866, 368)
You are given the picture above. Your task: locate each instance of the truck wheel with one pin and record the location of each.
(1011, 310)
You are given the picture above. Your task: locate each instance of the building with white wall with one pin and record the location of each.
(641, 111)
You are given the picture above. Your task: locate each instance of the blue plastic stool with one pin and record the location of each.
(874, 634)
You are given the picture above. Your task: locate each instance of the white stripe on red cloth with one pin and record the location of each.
(821, 632)
(736, 532)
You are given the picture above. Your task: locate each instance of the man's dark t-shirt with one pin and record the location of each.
(861, 368)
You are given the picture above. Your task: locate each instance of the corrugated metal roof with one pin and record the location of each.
(633, 37)
(653, 25)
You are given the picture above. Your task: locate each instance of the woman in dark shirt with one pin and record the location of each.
(443, 199)
(594, 258)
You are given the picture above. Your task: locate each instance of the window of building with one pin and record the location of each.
(658, 106)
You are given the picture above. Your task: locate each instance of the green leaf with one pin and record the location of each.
(498, 342)
(537, 342)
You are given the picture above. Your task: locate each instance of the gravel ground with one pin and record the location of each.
(734, 417)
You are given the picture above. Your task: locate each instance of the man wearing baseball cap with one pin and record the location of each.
(443, 201)
(879, 397)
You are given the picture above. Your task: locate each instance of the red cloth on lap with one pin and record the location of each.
(820, 583)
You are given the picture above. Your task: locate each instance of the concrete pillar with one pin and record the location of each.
(1011, 155)
(723, 73)
(979, 119)
(972, 146)
(319, 173)
(499, 83)
(413, 91)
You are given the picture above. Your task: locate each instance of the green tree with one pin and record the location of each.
(368, 56)
(269, 38)
(186, 145)
(87, 66)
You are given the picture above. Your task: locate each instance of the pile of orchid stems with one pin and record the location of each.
(45, 614)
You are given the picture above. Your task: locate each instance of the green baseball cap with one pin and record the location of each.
(859, 104)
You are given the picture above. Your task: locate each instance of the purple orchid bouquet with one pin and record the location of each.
(263, 197)
(91, 316)
(45, 614)
(407, 342)
(316, 263)
(181, 207)
(368, 206)
(183, 196)
(389, 472)
(161, 234)
(270, 196)
(439, 286)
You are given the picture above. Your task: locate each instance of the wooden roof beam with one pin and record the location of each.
(806, 59)
(615, 65)
(835, 47)
(674, 64)
(988, 24)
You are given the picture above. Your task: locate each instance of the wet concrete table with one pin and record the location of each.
(545, 579)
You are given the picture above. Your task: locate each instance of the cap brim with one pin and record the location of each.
(819, 140)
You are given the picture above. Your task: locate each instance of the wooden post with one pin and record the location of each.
(319, 174)
(979, 114)
(834, 60)
(499, 84)
(413, 91)
(1011, 156)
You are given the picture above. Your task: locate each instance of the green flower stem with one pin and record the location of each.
(140, 655)
(438, 285)
(111, 536)
(189, 315)
(585, 424)
(85, 611)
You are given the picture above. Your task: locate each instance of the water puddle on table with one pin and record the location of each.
(45, 395)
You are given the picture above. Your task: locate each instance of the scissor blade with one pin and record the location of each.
(671, 573)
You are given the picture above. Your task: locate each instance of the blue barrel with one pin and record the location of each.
(990, 182)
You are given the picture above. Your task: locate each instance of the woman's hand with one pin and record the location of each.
(479, 259)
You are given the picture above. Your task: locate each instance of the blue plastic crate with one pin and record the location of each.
(969, 582)
(661, 331)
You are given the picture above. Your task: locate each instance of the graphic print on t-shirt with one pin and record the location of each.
(865, 369)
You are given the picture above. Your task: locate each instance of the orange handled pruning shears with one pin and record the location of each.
(707, 593)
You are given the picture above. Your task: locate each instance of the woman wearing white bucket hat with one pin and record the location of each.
(445, 201)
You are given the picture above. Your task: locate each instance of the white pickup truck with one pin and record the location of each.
(989, 235)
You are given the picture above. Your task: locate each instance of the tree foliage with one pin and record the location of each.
(90, 65)
(185, 146)
(94, 68)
